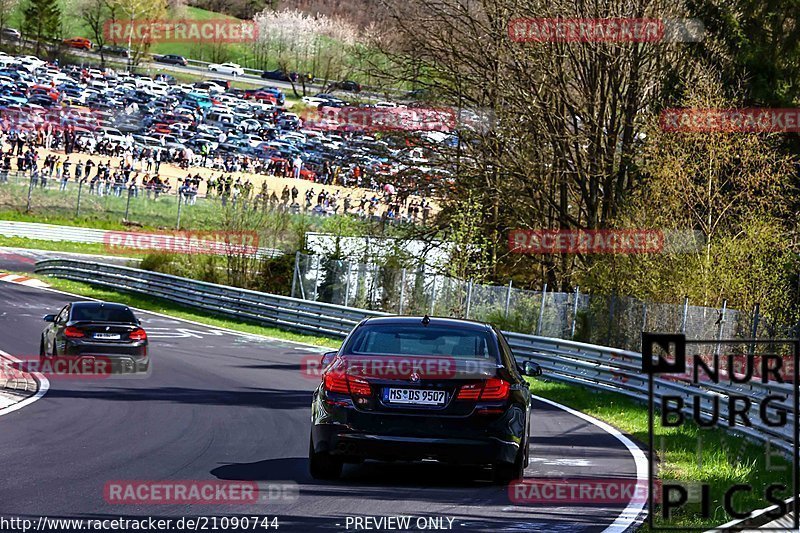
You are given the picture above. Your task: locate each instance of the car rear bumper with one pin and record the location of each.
(124, 358)
(341, 441)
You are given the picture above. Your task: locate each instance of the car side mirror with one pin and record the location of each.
(532, 369)
(49, 318)
(327, 358)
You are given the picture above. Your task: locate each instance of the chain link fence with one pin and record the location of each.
(608, 320)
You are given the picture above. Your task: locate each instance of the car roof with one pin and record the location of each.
(434, 321)
(109, 305)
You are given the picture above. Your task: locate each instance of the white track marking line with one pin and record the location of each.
(634, 512)
(44, 386)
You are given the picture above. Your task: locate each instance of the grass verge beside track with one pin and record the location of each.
(68, 246)
(158, 305)
(687, 454)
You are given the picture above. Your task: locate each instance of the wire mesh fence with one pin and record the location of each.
(608, 320)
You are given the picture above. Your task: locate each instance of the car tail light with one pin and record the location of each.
(73, 333)
(491, 389)
(470, 392)
(345, 384)
(495, 389)
(138, 335)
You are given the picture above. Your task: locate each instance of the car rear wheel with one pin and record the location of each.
(42, 354)
(505, 473)
(323, 465)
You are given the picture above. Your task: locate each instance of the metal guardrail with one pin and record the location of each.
(597, 367)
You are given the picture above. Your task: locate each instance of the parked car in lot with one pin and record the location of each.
(166, 78)
(233, 69)
(420, 388)
(171, 59)
(78, 42)
(96, 329)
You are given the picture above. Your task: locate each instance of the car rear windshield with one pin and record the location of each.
(102, 314)
(417, 340)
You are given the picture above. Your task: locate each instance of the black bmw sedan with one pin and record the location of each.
(92, 329)
(417, 388)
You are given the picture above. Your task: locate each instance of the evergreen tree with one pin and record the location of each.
(41, 20)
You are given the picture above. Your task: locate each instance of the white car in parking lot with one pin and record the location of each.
(227, 68)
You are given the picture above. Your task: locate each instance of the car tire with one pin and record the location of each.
(323, 465)
(42, 352)
(505, 473)
(212, 69)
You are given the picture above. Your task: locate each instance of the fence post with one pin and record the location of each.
(611, 312)
(754, 326)
(541, 311)
(128, 207)
(756, 320)
(575, 311)
(721, 323)
(78, 204)
(685, 313)
(402, 291)
(30, 191)
(178, 223)
(469, 299)
(295, 273)
(347, 283)
(433, 295)
(508, 296)
(316, 277)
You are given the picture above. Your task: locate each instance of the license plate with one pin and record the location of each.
(414, 396)
(107, 336)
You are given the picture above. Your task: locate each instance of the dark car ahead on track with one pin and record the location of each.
(411, 388)
(91, 329)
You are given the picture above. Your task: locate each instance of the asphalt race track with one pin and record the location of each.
(224, 406)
